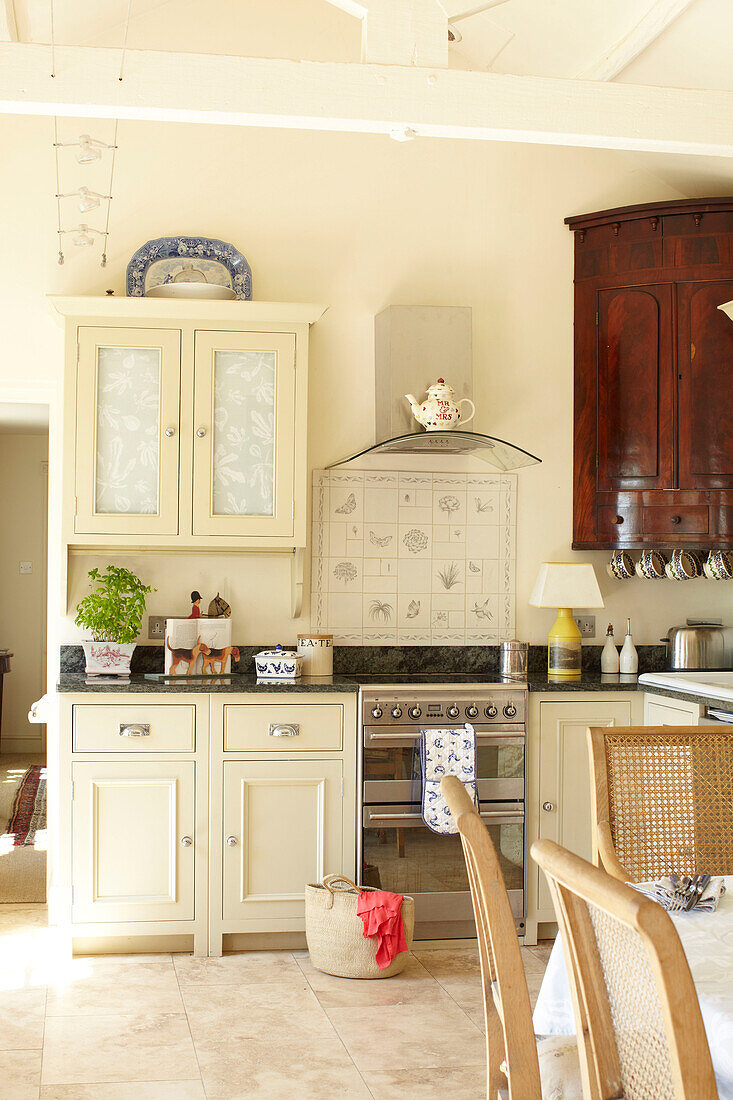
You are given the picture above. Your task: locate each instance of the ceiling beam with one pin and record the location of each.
(311, 95)
(8, 22)
(648, 29)
(400, 32)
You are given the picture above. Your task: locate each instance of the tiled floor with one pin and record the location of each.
(161, 1027)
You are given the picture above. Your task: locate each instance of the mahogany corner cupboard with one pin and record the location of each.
(653, 443)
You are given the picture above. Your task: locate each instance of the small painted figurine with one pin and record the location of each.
(196, 605)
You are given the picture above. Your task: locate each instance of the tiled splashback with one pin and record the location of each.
(413, 558)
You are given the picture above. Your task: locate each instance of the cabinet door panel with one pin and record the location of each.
(128, 399)
(245, 408)
(564, 769)
(128, 822)
(634, 388)
(286, 820)
(705, 386)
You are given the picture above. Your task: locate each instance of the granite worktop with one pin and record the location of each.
(141, 684)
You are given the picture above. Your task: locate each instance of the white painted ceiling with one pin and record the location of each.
(560, 38)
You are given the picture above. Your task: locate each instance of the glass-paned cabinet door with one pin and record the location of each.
(244, 429)
(127, 431)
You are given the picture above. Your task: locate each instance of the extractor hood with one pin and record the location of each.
(496, 452)
(413, 346)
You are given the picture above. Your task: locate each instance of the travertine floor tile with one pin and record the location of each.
(274, 1010)
(278, 1069)
(413, 984)
(21, 1019)
(132, 1090)
(88, 1049)
(142, 985)
(430, 1084)
(252, 966)
(411, 1036)
(20, 1074)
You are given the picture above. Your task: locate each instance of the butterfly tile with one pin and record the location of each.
(413, 610)
(346, 504)
(380, 540)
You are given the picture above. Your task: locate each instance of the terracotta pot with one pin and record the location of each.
(108, 658)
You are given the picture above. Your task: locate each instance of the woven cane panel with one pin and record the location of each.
(671, 803)
(636, 1013)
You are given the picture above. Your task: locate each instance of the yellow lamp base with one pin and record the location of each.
(564, 647)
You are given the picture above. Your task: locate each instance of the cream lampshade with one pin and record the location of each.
(565, 585)
(727, 307)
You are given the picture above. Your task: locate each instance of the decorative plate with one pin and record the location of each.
(165, 260)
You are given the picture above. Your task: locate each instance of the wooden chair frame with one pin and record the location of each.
(575, 883)
(507, 1011)
(719, 758)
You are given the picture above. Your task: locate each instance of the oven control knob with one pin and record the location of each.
(472, 711)
(452, 711)
(376, 712)
(396, 712)
(491, 711)
(414, 712)
(510, 710)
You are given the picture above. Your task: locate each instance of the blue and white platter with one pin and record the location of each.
(165, 262)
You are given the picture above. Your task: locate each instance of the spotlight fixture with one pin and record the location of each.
(402, 133)
(90, 149)
(83, 235)
(88, 200)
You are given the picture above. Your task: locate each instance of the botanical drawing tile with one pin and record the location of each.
(344, 574)
(449, 507)
(482, 611)
(449, 575)
(380, 610)
(414, 540)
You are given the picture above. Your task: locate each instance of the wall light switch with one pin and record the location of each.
(26, 567)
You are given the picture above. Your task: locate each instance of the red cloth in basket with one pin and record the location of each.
(381, 913)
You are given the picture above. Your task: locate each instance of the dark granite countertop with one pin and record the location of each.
(73, 682)
(589, 681)
(688, 697)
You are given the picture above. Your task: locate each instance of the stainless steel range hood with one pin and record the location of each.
(496, 452)
(413, 346)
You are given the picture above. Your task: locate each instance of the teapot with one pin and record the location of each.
(441, 411)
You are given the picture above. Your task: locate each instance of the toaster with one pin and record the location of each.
(699, 645)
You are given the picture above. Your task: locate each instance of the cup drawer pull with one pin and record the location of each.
(134, 729)
(281, 729)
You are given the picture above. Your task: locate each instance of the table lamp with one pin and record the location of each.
(565, 585)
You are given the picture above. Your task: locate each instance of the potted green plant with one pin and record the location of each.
(113, 614)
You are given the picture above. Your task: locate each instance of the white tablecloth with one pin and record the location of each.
(707, 939)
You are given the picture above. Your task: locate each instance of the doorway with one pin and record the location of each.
(24, 464)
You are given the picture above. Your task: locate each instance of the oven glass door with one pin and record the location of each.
(401, 854)
(392, 772)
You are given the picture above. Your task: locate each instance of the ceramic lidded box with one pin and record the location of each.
(278, 664)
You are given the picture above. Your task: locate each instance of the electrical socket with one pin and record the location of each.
(156, 627)
(586, 625)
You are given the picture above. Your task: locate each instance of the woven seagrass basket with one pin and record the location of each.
(335, 932)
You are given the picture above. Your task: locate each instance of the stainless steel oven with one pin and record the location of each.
(397, 850)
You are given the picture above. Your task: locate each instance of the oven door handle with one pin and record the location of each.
(508, 736)
(495, 817)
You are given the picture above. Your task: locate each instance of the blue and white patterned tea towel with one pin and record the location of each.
(446, 752)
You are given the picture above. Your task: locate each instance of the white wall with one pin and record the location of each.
(358, 222)
(22, 597)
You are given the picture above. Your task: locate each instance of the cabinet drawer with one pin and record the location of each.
(683, 520)
(136, 728)
(286, 727)
(618, 524)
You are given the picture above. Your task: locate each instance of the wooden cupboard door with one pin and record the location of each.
(244, 442)
(127, 431)
(635, 388)
(564, 770)
(660, 711)
(132, 821)
(705, 365)
(282, 829)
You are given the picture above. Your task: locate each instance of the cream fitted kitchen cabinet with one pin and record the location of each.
(186, 425)
(559, 802)
(661, 710)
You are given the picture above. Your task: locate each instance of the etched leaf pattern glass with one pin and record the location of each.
(244, 433)
(128, 431)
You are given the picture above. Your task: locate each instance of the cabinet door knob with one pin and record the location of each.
(170, 432)
(548, 807)
(232, 841)
(186, 841)
(618, 519)
(676, 519)
(201, 432)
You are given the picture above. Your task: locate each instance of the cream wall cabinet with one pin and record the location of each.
(184, 819)
(659, 710)
(559, 778)
(185, 426)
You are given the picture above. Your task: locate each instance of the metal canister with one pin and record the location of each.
(513, 660)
